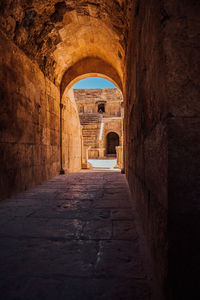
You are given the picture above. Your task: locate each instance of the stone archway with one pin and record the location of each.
(112, 141)
(84, 68)
(90, 67)
(153, 57)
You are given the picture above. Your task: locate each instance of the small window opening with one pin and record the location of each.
(101, 108)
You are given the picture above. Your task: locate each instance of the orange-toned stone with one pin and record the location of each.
(100, 113)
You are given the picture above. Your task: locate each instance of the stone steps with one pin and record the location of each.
(90, 139)
(91, 126)
(90, 129)
(90, 122)
(88, 133)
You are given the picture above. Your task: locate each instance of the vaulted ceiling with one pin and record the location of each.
(57, 34)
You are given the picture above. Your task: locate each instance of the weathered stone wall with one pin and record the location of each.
(72, 132)
(87, 101)
(57, 33)
(160, 46)
(162, 117)
(181, 46)
(29, 122)
(112, 125)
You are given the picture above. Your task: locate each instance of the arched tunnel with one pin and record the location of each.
(149, 50)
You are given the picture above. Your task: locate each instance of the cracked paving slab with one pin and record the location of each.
(73, 237)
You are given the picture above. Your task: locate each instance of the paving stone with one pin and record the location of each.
(122, 214)
(55, 228)
(97, 230)
(114, 202)
(31, 288)
(72, 239)
(124, 229)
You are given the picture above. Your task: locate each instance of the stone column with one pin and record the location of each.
(119, 152)
(62, 171)
(101, 152)
(85, 163)
(122, 139)
(101, 149)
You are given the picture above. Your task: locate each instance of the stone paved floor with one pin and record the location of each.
(73, 238)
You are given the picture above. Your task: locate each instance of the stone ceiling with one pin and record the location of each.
(57, 34)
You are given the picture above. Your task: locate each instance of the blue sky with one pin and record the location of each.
(93, 83)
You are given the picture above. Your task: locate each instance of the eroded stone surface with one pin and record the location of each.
(58, 241)
(161, 118)
(58, 33)
(97, 125)
(152, 53)
(30, 124)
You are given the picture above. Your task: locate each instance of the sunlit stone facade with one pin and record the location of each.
(101, 115)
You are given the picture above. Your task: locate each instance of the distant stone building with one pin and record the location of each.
(101, 117)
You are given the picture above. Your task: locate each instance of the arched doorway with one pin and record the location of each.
(85, 68)
(112, 142)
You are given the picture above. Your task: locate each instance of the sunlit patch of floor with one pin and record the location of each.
(104, 164)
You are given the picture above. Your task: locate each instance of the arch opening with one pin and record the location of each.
(99, 111)
(101, 108)
(89, 67)
(112, 140)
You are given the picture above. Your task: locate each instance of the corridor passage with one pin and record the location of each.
(72, 238)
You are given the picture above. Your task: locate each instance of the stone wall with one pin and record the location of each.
(72, 132)
(181, 46)
(158, 41)
(112, 125)
(88, 99)
(162, 117)
(96, 126)
(30, 124)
